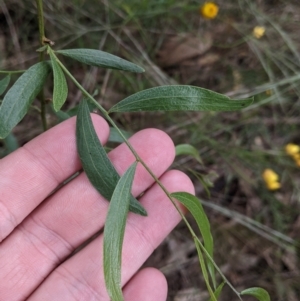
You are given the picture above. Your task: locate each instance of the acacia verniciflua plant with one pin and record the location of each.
(94, 159)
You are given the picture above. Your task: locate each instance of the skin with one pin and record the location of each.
(39, 230)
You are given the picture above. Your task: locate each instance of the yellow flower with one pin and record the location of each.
(297, 160)
(292, 149)
(273, 185)
(209, 10)
(271, 179)
(296, 157)
(258, 31)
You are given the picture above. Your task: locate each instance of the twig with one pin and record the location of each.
(39, 4)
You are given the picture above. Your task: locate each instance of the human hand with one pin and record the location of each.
(37, 235)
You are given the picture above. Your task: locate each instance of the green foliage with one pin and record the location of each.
(60, 90)
(95, 161)
(11, 143)
(257, 292)
(99, 58)
(218, 291)
(187, 149)
(179, 98)
(18, 99)
(193, 204)
(4, 83)
(114, 233)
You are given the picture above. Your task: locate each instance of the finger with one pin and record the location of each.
(72, 215)
(31, 173)
(82, 274)
(148, 285)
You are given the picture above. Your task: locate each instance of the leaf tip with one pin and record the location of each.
(141, 70)
(56, 108)
(143, 212)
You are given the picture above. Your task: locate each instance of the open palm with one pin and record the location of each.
(40, 229)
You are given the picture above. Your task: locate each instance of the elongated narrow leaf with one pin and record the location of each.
(20, 96)
(179, 98)
(193, 204)
(218, 291)
(99, 58)
(188, 149)
(204, 269)
(114, 135)
(60, 89)
(4, 83)
(11, 143)
(43, 48)
(257, 292)
(95, 161)
(114, 234)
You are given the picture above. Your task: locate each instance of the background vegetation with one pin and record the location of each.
(256, 231)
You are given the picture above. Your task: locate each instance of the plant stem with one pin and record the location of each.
(11, 72)
(216, 267)
(40, 13)
(138, 159)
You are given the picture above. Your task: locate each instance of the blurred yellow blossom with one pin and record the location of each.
(297, 160)
(271, 179)
(258, 31)
(292, 149)
(209, 10)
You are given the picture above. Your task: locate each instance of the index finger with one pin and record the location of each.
(31, 173)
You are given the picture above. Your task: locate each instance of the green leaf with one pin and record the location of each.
(203, 179)
(4, 83)
(43, 48)
(179, 98)
(204, 269)
(194, 205)
(114, 135)
(20, 96)
(99, 58)
(218, 291)
(95, 161)
(258, 293)
(60, 89)
(11, 143)
(114, 234)
(188, 149)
